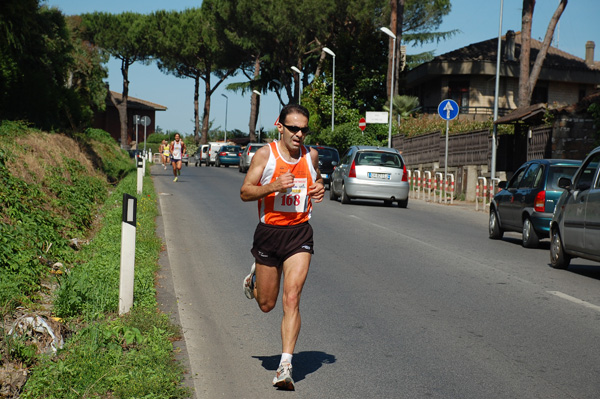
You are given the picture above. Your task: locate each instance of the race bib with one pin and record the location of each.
(294, 199)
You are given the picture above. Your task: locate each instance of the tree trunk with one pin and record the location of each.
(391, 49)
(526, 17)
(197, 138)
(398, 32)
(122, 105)
(206, 113)
(254, 102)
(527, 80)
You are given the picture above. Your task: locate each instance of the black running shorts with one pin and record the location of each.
(274, 244)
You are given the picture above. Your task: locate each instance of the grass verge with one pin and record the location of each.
(110, 356)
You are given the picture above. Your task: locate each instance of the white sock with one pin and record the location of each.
(286, 358)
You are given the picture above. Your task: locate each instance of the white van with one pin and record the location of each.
(213, 150)
(201, 155)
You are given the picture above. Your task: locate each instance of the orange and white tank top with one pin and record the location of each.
(293, 206)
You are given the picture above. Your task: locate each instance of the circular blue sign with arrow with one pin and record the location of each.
(448, 109)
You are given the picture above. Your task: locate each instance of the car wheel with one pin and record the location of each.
(345, 198)
(240, 169)
(494, 227)
(217, 163)
(388, 202)
(332, 195)
(530, 237)
(558, 258)
(225, 165)
(403, 203)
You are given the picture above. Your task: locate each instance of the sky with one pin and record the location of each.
(477, 20)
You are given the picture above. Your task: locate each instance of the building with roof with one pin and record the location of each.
(467, 75)
(109, 119)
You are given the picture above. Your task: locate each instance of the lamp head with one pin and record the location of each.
(387, 32)
(328, 51)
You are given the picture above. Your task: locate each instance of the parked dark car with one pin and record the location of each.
(368, 172)
(228, 155)
(526, 203)
(329, 158)
(575, 227)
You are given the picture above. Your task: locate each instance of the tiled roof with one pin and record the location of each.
(486, 51)
(137, 103)
(523, 113)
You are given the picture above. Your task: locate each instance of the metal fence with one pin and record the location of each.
(540, 143)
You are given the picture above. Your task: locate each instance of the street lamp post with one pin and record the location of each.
(226, 107)
(331, 53)
(279, 92)
(299, 72)
(259, 115)
(393, 55)
(496, 90)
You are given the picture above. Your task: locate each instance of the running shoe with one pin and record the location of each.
(283, 378)
(175, 179)
(249, 282)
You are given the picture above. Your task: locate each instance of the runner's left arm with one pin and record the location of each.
(317, 190)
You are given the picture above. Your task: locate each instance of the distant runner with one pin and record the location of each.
(177, 150)
(164, 153)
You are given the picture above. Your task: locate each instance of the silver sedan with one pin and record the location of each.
(368, 172)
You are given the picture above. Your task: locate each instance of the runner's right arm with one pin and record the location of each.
(251, 190)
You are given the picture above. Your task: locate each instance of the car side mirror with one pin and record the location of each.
(502, 184)
(564, 182)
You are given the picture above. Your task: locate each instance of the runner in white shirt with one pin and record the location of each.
(177, 150)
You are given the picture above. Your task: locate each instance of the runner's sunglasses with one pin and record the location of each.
(296, 129)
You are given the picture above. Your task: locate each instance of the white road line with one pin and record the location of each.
(575, 300)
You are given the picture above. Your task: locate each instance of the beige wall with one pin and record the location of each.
(562, 94)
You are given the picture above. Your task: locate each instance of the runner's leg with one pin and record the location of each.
(266, 288)
(295, 270)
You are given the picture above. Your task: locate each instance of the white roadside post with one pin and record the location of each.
(128, 228)
(140, 174)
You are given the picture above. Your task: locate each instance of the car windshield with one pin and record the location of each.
(378, 158)
(327, 154)
(556, 172)
(254, 148)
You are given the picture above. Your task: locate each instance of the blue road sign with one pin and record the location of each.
(448, 109)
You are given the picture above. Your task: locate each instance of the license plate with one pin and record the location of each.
(325, 175)
(373, 175)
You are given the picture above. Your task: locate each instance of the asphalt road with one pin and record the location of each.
(399, 303)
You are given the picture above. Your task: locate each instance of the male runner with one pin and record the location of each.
(284, 178)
